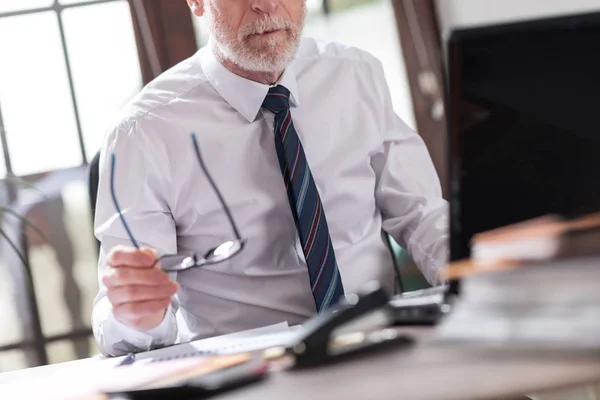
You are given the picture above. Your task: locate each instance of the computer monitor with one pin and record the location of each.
(523, 110)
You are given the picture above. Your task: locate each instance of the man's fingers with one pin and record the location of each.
(134, 294)
(125, 276)
(138, 293)
(131, 257)
(133, 313)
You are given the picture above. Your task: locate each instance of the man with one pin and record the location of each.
(304, 145)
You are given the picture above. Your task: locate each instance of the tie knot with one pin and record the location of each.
(278, 99)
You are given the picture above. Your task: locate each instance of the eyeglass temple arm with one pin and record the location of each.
(215, 188)
(116, 203)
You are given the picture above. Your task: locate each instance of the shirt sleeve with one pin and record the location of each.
(408, 190)
(141, 187)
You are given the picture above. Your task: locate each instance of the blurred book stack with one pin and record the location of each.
(534, 284)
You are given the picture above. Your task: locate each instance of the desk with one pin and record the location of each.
(34, 373)
(429, 372)
(424, 372)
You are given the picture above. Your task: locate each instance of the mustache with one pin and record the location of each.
(264, 25)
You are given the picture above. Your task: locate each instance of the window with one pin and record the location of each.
(106, 69)
(66, 68)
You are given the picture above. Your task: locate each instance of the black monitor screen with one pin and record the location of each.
(524, 123)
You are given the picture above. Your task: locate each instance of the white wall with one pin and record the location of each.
(469, 13)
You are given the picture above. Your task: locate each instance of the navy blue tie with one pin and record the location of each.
(305, 203)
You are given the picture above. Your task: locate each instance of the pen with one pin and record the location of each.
(129, 359)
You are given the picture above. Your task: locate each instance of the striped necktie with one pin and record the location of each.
(305, 203)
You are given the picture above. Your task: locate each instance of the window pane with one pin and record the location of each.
(18, 5)
(59, 352)
(12, 361)
(104, 62)
(34, 95)
(66, 2)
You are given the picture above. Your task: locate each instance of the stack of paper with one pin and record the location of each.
(523, 288)
(553, 304)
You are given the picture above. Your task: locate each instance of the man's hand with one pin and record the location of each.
(139, 293)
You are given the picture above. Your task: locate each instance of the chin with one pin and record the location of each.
(267, 57)
(266, 46)
(265, 64)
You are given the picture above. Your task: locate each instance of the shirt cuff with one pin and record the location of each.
(126, 339)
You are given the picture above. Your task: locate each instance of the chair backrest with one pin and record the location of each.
(93, 177)
(399, 285)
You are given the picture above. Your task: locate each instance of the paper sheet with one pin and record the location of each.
(249, 340)
(81, 378)
(91, 381)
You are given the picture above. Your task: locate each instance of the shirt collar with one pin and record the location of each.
(244, 95)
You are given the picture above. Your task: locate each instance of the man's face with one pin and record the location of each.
(257, 35)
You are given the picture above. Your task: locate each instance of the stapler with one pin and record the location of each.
(358, 324)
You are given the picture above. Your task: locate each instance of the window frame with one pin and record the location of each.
(164, 35)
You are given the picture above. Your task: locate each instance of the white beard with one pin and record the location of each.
(277, 52)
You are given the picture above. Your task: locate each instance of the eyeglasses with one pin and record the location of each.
(185, 260)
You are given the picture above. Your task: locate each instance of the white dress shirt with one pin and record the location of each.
(372, 171)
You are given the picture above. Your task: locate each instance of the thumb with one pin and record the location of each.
(150, 252)
(153, 254)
